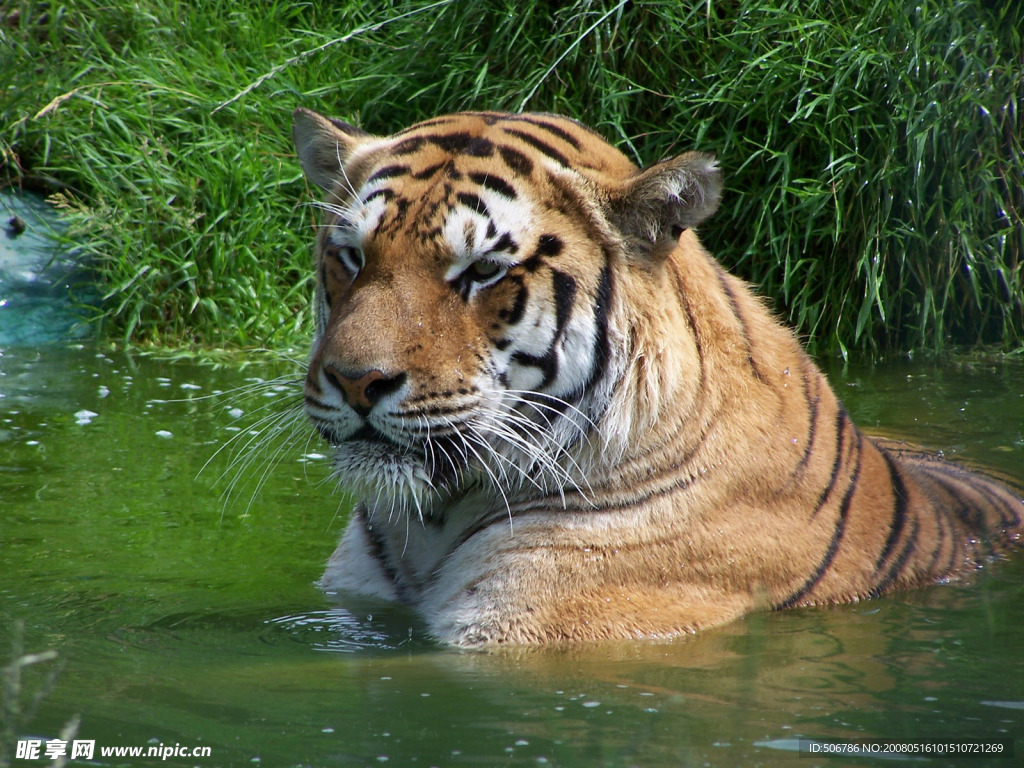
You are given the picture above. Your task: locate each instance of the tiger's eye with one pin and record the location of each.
(349, 258)
(484, 269)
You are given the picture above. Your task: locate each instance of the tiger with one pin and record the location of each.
(564, 421)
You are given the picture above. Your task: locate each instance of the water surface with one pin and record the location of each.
(43, 295)
(183, 617)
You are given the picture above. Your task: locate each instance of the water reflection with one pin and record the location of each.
(338, 630)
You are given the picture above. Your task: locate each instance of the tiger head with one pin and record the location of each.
(470, 330)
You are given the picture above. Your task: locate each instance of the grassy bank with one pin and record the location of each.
(873, 150)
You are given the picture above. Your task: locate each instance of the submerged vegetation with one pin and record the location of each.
(872, 150)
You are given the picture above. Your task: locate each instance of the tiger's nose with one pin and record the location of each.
(365, 389)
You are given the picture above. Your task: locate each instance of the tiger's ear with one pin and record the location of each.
(673, 195)
(323, 145)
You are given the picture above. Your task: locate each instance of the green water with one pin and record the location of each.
(182, 617)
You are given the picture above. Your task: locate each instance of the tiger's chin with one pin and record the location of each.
(394, 478)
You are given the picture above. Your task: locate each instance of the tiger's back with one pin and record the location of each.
(567, 421)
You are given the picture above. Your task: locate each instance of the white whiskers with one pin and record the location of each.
(265, 442)
(512, 444)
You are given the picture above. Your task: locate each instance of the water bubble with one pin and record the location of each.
(85, 417)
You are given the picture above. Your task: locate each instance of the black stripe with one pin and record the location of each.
(432, 122)
(945, 529)
(547, 245)
(942, 503)
(1011, 506)
(494, 184)
(813, 402)
(479, 147)
(842, 420)
(429, 171)
(952, 484)
(384, 192)
(745, 330)
(547, 363)
(514, 315)
(1009, 511)
(407, 146)
(516, 160)
(837, 536)
(986, 488)
(970, 515)
(451, 171)
(899, 509)
(387, 172)
(709, 416)
(308, 399)
(378, 552)
(397, 215)
(698, 340)
(561, 133)
(467, 534)
(602, 308)
(470, 200)
(450, 142)
(957, 554)
(897, 565)
(564, 289)
(430, 234)
(637, 495)
(540, 145)
(505, 243)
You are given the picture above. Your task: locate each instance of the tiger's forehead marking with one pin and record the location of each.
(514, 139)
(472, 211)
(468, 179)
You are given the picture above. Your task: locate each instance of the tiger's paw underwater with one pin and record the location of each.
(566, 421)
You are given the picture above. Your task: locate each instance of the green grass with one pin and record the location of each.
(873, 150)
